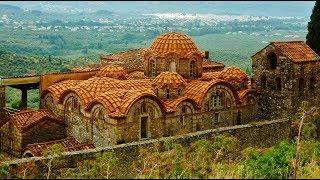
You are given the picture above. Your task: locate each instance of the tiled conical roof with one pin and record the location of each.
(233, 75)
(113, 71)
(169, 79)
(173, 42)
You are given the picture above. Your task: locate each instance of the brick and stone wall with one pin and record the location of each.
(261, 134)
(2, 101)
(43, 132)
(280, 93)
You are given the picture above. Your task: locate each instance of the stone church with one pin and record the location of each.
(167, 89)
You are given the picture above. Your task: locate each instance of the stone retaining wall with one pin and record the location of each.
(260, 134)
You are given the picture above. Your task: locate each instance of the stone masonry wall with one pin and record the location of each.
(259, 134)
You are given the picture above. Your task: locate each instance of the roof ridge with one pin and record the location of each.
(48, 142)
(294, 41)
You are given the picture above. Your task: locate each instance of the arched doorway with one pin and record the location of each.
(144, 123)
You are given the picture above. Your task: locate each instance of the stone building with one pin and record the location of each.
(167, 89)
(284, 74)
(28, 127)
(162, 93)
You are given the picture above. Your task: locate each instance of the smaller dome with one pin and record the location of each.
(169, 79)
(235, 76)
(137, 75)
(113, 71)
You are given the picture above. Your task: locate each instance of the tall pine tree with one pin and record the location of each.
(313, 36)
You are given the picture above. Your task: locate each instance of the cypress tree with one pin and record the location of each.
(313, 36)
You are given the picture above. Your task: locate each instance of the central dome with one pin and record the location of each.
(173, 42)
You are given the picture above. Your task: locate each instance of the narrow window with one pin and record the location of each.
(153, 68)
(301, 85)
(179, 92)
(183, 113)
(143, 107)
(278, 84)
(11, 144)
(272, 59)
(312, 82)
(263, 82)
(216, 100)
(192, 68)
(168, 94)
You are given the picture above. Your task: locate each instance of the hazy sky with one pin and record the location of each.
(260, 8)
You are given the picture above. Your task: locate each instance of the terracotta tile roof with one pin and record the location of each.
(136, 75)
(84, 95)
(208, 76)
(111, 100)
(118, 102)
(170, 80)
(26, 119)
(113, 71)
(171, 105)
(297, 51)
(87, 90)
(210, 64)
(234, 75)
(196, 90)
(134, 56)
(243, 93)
(173, 42)
(69, 144)
(58, 88)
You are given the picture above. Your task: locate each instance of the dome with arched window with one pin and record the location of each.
(234, 75)
(174, 52)
(169, 85)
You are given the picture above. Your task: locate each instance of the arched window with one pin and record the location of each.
(312, 83)
(278, 84)
(217, 100)
(143, 108)
(192, 68)
(168, 94)
(263, 81)
(72, 104)
(172, 66)
(153, 68)
(301, 85)
(272, 59)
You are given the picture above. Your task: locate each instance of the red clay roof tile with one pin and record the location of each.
(173, 42)
(27, 119)
(297, 51)
(69, 144)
